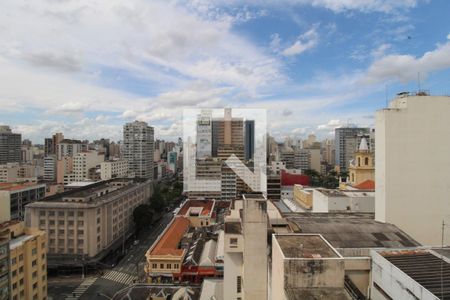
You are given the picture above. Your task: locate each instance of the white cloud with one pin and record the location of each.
(306, 41)
(380, 51)
(406, 67)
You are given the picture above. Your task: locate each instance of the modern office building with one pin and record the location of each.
(347, 140)
(412, 166)
(28, 261)
(89, 221)
(138, 148)
(10, 143)
(14, 197)
(249, 139)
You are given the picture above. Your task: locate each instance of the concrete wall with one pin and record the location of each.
(277, 278)
(412, 166)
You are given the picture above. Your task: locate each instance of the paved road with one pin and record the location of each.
(123, 274)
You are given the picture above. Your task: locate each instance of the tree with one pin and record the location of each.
(157, 201)
(142, 216)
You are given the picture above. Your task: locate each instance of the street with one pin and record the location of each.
(130, 269)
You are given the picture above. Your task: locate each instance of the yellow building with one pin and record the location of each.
(28, 261)
(362, 168)
(303, 196)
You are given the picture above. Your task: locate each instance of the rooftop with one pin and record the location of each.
(233, 227)
(366, 185)
(12, 186)
(305, 246)
(343, 230)
(197, 207)
(153, 291)
(291, 179)
(170, 240)
(423, 267)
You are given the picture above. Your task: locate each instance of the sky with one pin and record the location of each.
(87, 67)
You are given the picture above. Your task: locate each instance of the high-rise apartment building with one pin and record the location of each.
(28, 261)
(9, 145)
(138, 140)
(84, 161)
(227, 132)
(412, 166)
(347, 140)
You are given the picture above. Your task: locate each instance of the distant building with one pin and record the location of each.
(82, 163)
(28, 261)
(274, 187)
(138, 139)
(50, 168)
(204, 135)
(287, 155)
(362, 167)
(5, 265)
(347, 140)
(412, 166)
(10, 144)
(228, 134)
(14, 197)
(114, 169)
(68, 147)
(89, 221)
(249, 136)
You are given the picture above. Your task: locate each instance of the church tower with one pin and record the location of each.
(362, 168)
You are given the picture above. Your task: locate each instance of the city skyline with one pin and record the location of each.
(315, 67)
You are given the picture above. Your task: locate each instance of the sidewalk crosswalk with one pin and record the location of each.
(120, 277)
(76, 294)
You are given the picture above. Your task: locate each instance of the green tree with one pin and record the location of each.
(142, 216)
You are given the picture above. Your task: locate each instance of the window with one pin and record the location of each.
(161, 266)
(80, 213)
(51, 213)
(169, 266)
(42, 213)
(154, 266)
(61, 222)
(80, 223)
(33, 251)
(239, 284)
(80, 232)
(33, 263)
(61, 213)
(366, 161)
(359, 161)
(52, 222)
(34, 285)
(21, 281)
(13, 261)
(14, 286)
(70, 214)
(34, 274)
(13, 273)
(61, 231)
(42, 222)
(21, 270)
(233, 242)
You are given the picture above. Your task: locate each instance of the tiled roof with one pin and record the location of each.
(366, 185)
(291, 179)
(168, 244)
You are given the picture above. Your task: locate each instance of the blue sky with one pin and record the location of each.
(87, 67)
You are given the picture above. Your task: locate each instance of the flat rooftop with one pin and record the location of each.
(351, 230)
(423, 267)
(144, 291)
(12, 186)
(305, 246)
(197, 207)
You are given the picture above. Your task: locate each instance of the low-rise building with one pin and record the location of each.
(199, 212)
(14, 197)
(90, 221)
(410, 274)
(306, 266)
